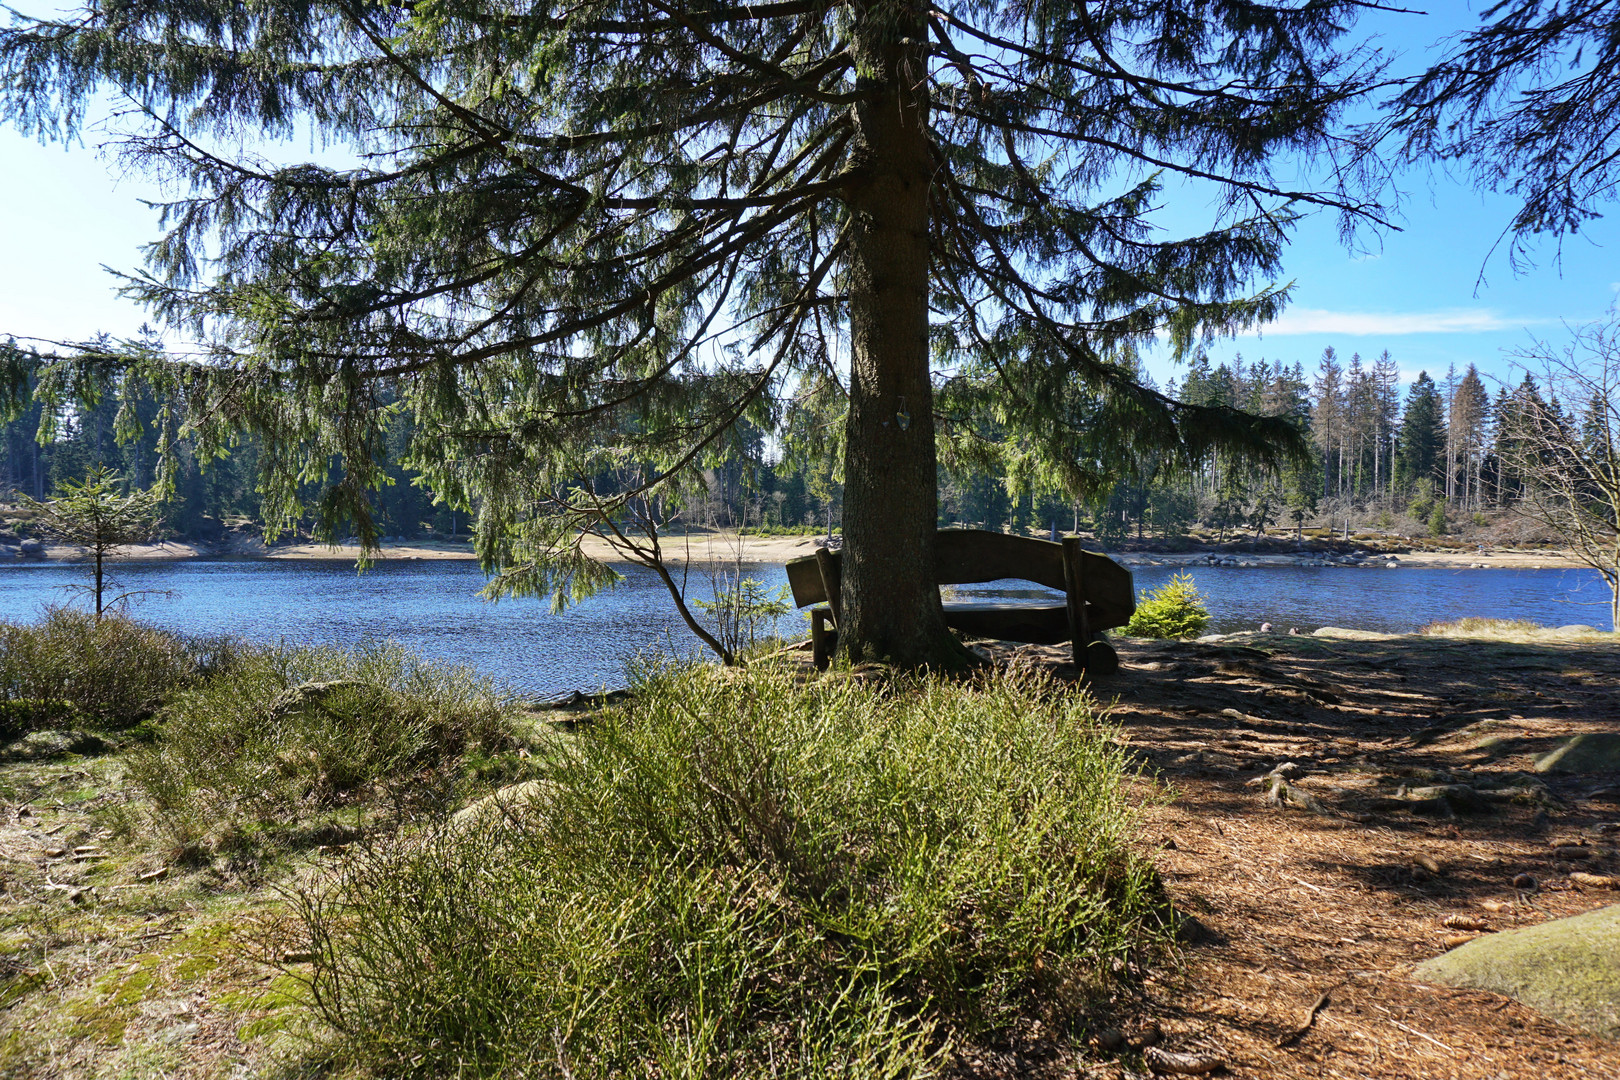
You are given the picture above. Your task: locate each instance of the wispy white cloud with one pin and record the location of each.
(1299, 320)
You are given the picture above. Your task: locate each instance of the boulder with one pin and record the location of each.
(1459, 799)
(485, 813)
(43, 745)
(1568, 969)
(304, 695)
(1591, 752)
(1339, 633)
(32, 547)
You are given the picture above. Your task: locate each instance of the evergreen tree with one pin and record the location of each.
(1466, 423)
(1327, 421)
(1516, 416)
(1386, 376)
(1420, 445)
(570, 216)
(94, 515)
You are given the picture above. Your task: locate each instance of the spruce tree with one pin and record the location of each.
(584, 241)
(1420, 446)
(92, 514)
(1327, 421)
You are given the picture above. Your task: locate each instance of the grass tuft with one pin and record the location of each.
(282, 734)
(1509, 630)
(739, 875)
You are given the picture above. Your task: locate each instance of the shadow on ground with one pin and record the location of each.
(1412, 802)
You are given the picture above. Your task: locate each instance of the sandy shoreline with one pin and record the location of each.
(1437, 560)
(698, 548)
(727, 548)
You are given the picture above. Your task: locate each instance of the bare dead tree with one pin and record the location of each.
(1564, 446)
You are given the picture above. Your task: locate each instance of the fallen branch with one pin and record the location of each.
(1165, 1061)
(1283, 794)
(1310, 1016)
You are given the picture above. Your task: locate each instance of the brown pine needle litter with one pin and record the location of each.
(1290, 899)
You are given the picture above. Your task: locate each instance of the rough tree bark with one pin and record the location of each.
(891, 602)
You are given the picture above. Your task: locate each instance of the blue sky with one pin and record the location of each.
(1433, 294)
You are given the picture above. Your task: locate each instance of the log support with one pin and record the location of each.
(1091, 653)
(822, 642)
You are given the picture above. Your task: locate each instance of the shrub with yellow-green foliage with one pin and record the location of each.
(1177, 610)
(73, 669)
(737, 874)
(286, 733)
(1511, 630)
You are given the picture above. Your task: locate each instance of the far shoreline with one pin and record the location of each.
(724, 547)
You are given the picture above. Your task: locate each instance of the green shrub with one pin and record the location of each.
(739, 876)
(19, 716)
(1177, 610)
(743, 610)
(282, 733)
(113, 672)
(1437, 520)
(782, 530)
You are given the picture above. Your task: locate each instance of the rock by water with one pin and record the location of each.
(488, 811)
(44, 745)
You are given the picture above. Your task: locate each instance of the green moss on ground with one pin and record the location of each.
(1568, 969)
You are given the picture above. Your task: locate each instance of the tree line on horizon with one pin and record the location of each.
(1446, 446)
(1443, 445)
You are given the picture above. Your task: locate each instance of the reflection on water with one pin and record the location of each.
(432, 606)
(1393, 601)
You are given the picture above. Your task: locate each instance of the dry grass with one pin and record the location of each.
(116, 961)
(1514, 630)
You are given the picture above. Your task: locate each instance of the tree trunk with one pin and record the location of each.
(891, 606)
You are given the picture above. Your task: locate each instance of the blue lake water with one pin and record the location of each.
(432, 607)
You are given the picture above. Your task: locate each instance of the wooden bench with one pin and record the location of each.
(1098, 593)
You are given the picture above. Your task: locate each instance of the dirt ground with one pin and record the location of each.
(1293, 903)
(114, 962)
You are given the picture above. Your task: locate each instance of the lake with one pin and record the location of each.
(432, 607)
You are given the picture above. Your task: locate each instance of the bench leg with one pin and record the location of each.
(822, 640)
(1098, 659)
(1074, 590)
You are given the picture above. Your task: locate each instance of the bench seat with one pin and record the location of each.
(1099, 593)
(1040, 624)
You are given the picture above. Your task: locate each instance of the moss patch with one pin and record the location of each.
(1567, 968)
(108, 1009)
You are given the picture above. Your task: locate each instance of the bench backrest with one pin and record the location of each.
(968, 556)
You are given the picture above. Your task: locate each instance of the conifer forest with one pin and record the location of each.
(1433, 454)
